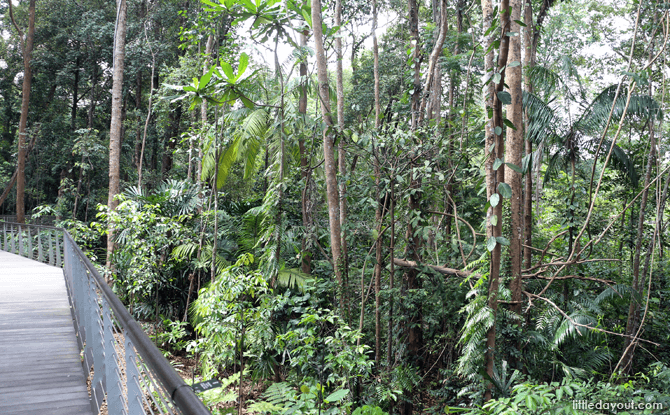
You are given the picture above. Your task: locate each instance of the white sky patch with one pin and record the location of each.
(18, 78)
(265, 52)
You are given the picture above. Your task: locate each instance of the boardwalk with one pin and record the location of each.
(40, 367)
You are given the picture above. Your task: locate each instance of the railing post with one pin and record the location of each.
(58, 258)
(4, 236)
(11, 237)
(20, 241)
(112, 372)
(51, 250)
(40, 256)
(134, 398)
(30, 244)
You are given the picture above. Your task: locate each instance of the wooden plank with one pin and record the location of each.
(40, 363)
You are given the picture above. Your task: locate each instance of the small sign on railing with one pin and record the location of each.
(206, 385)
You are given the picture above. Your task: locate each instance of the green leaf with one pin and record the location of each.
(496, 78)
(206, 78)
(337, 395)
(304, 389)
(505, 190)
(494, 220)
(513, 64)
(491, 244)
(522, 24)
(498, 131)
(509, 124)
(228, 70)
(502, 240)
(505, 97)
(497, 163)
(514, 167)
(495, 199)
(244, 62)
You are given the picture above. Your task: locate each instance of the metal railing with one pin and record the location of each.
(124, 367)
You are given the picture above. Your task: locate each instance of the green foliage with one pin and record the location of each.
(282, 399)
(172, 335)
(236, 304)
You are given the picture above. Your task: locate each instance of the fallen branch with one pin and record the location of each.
(566, 277)
(442, 270)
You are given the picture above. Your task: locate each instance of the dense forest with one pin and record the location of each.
(362, 207)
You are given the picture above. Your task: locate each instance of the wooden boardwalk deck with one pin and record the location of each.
(40, 367)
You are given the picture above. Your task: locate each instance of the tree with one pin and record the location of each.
(115, 129)
(330, 166)
(27, 52)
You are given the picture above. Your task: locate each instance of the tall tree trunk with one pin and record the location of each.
(203, 107)
(514, 155)
(116, 126)
(341, 153)
(429, 95)
(494, 149)
(27, 50)
(305, 171)
(528, 189)
(380, 206)
(633, 321)
(138, 136)
(414, 325)
(634, 307)
(330, 167)
(75, 97)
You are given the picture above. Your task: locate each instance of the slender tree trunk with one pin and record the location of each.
(25, 103)
(305, 171)
(203, 107)
(528, 189)
(412, 281)
(378, 211)
(75, 97)
(514, 155)
(93, 96)
(637, 287)
(341, 154)
(433, 80)
(138, 136)
(494, 145)
(116, 126)
(330, 167)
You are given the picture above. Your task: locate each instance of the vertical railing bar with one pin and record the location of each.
(30, 244)
(40, 257)
(160, 389)
(51, 252)
(20, 241)
(58, 258)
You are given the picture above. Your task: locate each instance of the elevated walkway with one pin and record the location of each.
(62, 329)
(40, 363)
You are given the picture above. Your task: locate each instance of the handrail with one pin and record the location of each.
(105, 331)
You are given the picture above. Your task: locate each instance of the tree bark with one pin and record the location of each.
(341, 153)
(413, 327)
(25, 103)
(378, 211)
(116, 126)
(514, 155)
(494, 149)
(203, 107)
(528, 183)
(330, 167)
(305, 170)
